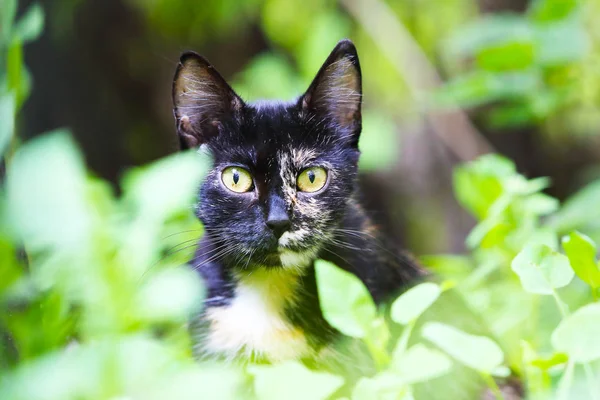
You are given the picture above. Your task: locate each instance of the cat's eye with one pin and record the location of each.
(237, 179)
(312, 179)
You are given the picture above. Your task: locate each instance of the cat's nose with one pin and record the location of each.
(279, 225)
(277, 219)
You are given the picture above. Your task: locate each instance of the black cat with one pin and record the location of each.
(282, 193)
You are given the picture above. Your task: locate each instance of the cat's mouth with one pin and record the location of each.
(289, 258)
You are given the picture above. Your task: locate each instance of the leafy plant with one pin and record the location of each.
(531, 67)
(95, 292)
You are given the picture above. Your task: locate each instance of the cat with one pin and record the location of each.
(281, 194)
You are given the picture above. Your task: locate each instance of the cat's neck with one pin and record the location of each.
(254, 324)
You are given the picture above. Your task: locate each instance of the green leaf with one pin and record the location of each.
(547, 363)
(7, 116)
(410, 305)
(170, 295)
(577, 335)
(7, 16)
(478, 184)
(346, 303)
(581, 251)
(166, 186)
(383, 386)
(420, 363)
(501, 372)
(481, 87)
(478, 352)
(292, 380)
(541, 269)
(579, 210)
(48, 205)
(562, 42)
(507, 56)
(541, 204)
(31, 25)
(552, 10)
(490, 31)
(14, 68)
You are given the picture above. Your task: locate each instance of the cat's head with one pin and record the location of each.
(284, 173)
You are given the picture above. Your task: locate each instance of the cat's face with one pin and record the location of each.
(283, 173)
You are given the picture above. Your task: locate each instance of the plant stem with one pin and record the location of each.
(592, 384)
(565, 382)
(559, 303)
(491, 382)
(403, 341)
(381, 358)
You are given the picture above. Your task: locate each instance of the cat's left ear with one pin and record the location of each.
(202, 101)
(336, 92)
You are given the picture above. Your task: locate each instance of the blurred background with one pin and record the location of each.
(444, 81)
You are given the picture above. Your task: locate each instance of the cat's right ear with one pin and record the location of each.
(201, 100)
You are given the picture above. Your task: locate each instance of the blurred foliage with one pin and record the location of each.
(300, 34)
(98, 307)
(536, 68)
(95, 293)
(15, 80)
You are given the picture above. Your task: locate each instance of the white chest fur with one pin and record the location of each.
(254, 323)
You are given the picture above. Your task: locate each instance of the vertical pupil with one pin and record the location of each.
(311, 176)
(236, 177)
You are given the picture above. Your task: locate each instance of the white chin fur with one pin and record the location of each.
(292, 259)
(292, 236)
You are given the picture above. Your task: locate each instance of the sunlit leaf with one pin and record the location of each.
(478, 352)
(547, 363)
(501, 372)
(551, 10)
(561, 42)
(383, 386)
(420, 363)
(577, 335)
(541, 270)
(579, 209)
(581, 251)
(507, 56)
(346, 303)
(170, 295)
(410, 305)
(541, 204)
(48, 205)
(166, 186)
(481, 87)
(292, 380)
(489, 31)
(478, 184)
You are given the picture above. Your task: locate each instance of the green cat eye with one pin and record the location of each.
(312, 179)
(237, 179)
